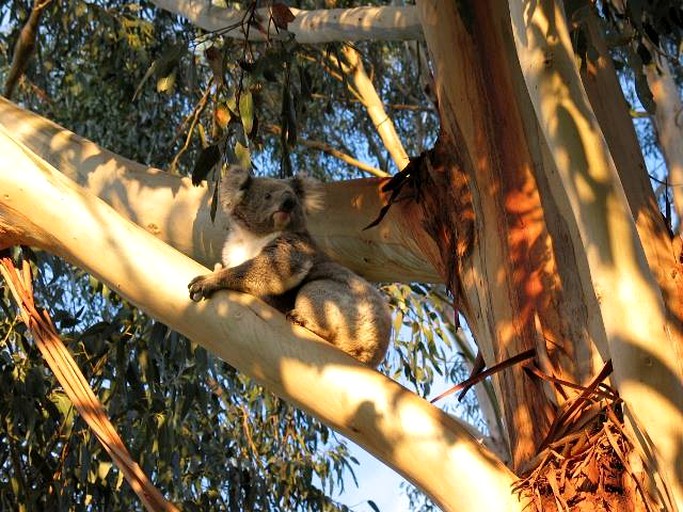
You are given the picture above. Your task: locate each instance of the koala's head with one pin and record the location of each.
(266, 205)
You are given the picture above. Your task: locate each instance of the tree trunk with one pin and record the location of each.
(537, 238)
(611, 110)
(647, 373)
(482, 174)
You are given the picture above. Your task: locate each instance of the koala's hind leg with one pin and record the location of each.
(349, 321)
(311, 310)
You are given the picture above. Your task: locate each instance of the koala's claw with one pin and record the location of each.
(295, 318)
(200, 288)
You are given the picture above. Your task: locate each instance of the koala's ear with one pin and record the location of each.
(234, 183)
(309, 191)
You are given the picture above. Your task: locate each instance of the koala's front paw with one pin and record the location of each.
(202, 287)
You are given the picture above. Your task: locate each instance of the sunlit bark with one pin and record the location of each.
(173, 210)
(646, 373)
(525, 208)
(319, 26)
(43, 208)
(514, 292)
(668, 120)
(611, 110)
(367, 94)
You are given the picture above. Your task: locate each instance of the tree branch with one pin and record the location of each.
(178, 213)
(24, 46)
(668, 121)
(76, 386)
(366, 92)
(427, 446)
(309, 27)
(326, 148)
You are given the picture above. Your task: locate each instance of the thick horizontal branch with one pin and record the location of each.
(318, 26)
(430, 448)
(176, 212)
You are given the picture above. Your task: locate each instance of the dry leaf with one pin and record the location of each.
(281, 15)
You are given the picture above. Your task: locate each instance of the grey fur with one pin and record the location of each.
(269, 253)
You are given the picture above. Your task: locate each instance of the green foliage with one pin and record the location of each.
(209, 437)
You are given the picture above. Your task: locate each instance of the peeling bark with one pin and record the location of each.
(507, 274)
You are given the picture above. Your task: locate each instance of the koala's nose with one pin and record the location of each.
(288, 204)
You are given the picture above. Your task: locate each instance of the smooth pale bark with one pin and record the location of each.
(41, 207)
(646, 374)
(173, 210)
(310, 27)
(604, 92)
(367, 94)
(668, 120)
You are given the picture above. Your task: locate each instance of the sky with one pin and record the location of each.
(376, 482)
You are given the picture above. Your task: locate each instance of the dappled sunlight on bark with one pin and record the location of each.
(173, 210)
(631, 306)
(249, 335)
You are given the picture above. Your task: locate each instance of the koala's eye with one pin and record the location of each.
(268, 196)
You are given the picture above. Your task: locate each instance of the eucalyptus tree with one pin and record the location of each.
(533, 206)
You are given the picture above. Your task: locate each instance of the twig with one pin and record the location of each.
(25, 46)
(62, 364)
(511, 361)
(326, 148)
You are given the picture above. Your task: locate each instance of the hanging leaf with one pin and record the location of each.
(216, 61)
(242, 155)
(281, 15)
(246, 108)
(162, 68)
(644, 93)
(158, 333)
(373, 505)
(306, 82)
(635, 10)
(103, 470)
(644, 54)
(214, 202)
(208, 158)
(165, 84)
(289, 125)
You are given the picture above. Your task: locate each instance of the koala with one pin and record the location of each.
(269, 253)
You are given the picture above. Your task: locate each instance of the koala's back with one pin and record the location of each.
(330, 300)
